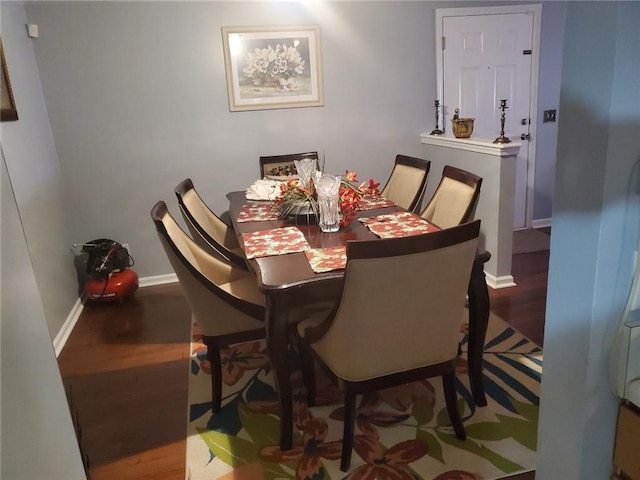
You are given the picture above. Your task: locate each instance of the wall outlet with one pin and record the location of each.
(126, 245)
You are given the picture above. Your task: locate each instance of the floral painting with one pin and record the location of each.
(273, 67)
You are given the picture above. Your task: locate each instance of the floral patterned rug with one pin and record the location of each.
(401, 433)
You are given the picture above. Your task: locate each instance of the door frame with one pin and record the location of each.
(536, 11)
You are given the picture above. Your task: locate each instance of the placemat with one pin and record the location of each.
(277, 241)
(371, 202)
(257, 212)
(327, 259)
(398, 224)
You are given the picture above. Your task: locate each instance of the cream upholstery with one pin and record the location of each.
(407, 182)
(389, 307)
(394, 325)
(455, 199)
(210, 284)
(224, 299)
(207, 229)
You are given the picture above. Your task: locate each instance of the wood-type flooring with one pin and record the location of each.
(125, 368)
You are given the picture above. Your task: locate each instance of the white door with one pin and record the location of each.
(488, 58)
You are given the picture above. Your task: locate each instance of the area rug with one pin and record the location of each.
(530, 241)
(401, 433)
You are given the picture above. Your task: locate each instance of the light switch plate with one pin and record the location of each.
(549, 116)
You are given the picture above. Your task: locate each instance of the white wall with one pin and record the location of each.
(595, 234)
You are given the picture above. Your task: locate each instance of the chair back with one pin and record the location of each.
(402, 305)
(455, 200)
(407, 182)
(207, 229)
(219, 295)
(282, 165)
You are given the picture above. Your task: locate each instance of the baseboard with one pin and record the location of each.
(158, 280)
(541, 223)
(499, 282)
(67, 327)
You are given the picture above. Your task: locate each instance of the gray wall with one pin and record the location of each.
(596, 219)
(37, 438)
(137, 97)
(35, 173)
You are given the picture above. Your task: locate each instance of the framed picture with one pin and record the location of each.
(273, 67)
(8, 110)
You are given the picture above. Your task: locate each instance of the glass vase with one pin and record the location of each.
(329, 213)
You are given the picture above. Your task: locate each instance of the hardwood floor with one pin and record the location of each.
(126, 370)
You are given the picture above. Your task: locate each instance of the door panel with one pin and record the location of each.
(484, 62)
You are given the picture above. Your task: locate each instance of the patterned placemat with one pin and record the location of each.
(277, 241)
(398, 224)
(327, 259)
(371, 202)
(257, 212)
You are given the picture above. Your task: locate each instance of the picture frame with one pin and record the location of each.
(270, 67)
(8, 111)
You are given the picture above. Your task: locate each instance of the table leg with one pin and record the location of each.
(478, 322)
(277, 343)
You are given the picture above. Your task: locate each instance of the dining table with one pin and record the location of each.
(283, 268)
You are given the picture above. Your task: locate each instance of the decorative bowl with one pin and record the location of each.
(462, 127)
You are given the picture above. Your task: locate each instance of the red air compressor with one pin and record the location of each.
(109, 277)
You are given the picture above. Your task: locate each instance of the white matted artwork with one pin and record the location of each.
(273, 67)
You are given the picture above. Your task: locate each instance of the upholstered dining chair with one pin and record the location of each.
(407, 182)
(455, 199)
(282, 165)
(224, 300)
(207, 229)
(391, 326)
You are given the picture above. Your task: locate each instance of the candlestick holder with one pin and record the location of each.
(437, 131)
(502, 138)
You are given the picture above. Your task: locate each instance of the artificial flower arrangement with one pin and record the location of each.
(295, 198)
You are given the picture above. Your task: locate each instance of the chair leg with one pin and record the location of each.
(448, 384)
(349, 430)
(213, 355)
(308, 372)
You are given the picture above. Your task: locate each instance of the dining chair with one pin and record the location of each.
(455, 199)
(224, 300)
(207, 229)
(282, 165)
(391, 325)
(407, 182)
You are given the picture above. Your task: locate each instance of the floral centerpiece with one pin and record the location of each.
(298, 197)
(277, 67)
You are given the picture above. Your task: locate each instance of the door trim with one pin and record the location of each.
(536, 11)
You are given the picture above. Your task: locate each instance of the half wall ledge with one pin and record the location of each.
(496, 164)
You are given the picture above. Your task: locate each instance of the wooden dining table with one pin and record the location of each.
(286, 280)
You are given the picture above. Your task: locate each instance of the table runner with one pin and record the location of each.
(258, 212)
(398, 224)
(277, 241)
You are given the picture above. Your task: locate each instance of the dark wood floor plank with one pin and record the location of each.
(126, 367)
